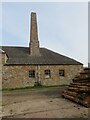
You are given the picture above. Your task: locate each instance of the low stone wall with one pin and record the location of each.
(18, 76)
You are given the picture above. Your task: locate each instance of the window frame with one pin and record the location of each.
(32, 73)
(62, 74)
(47, 73)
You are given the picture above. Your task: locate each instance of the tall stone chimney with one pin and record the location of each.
(34, 43)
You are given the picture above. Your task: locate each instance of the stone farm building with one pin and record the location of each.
(25, 66)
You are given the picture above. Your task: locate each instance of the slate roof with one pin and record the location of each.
(20, 56)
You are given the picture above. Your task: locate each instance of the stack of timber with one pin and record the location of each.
(79, 90)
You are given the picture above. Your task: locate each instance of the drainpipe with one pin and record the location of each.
(89, 64)
(38, 74)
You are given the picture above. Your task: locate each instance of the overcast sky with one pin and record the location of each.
(62, 27)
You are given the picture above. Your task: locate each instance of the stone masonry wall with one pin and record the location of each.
(0, 70)
(18, 76)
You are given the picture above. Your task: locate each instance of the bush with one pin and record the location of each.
(37, 84)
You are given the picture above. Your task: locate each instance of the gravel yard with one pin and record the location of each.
(40, 103)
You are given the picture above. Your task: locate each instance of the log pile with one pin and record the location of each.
(79, 90)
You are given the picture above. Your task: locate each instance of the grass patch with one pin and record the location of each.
(31, 87)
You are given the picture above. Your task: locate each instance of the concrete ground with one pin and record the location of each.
(40, 103)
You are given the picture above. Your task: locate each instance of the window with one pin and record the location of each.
(32, 73)
(61, 73)
(47, 73)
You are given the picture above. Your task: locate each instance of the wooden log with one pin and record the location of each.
(74, 94)
(79, 84)
(82, 95)
(85, 72)
(79, 95)
(77, 100)
(84, 76)
(86, 69)
(87, 99)
(78, 89)
(81, 80)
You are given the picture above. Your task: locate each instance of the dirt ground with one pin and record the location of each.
(40, 103)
